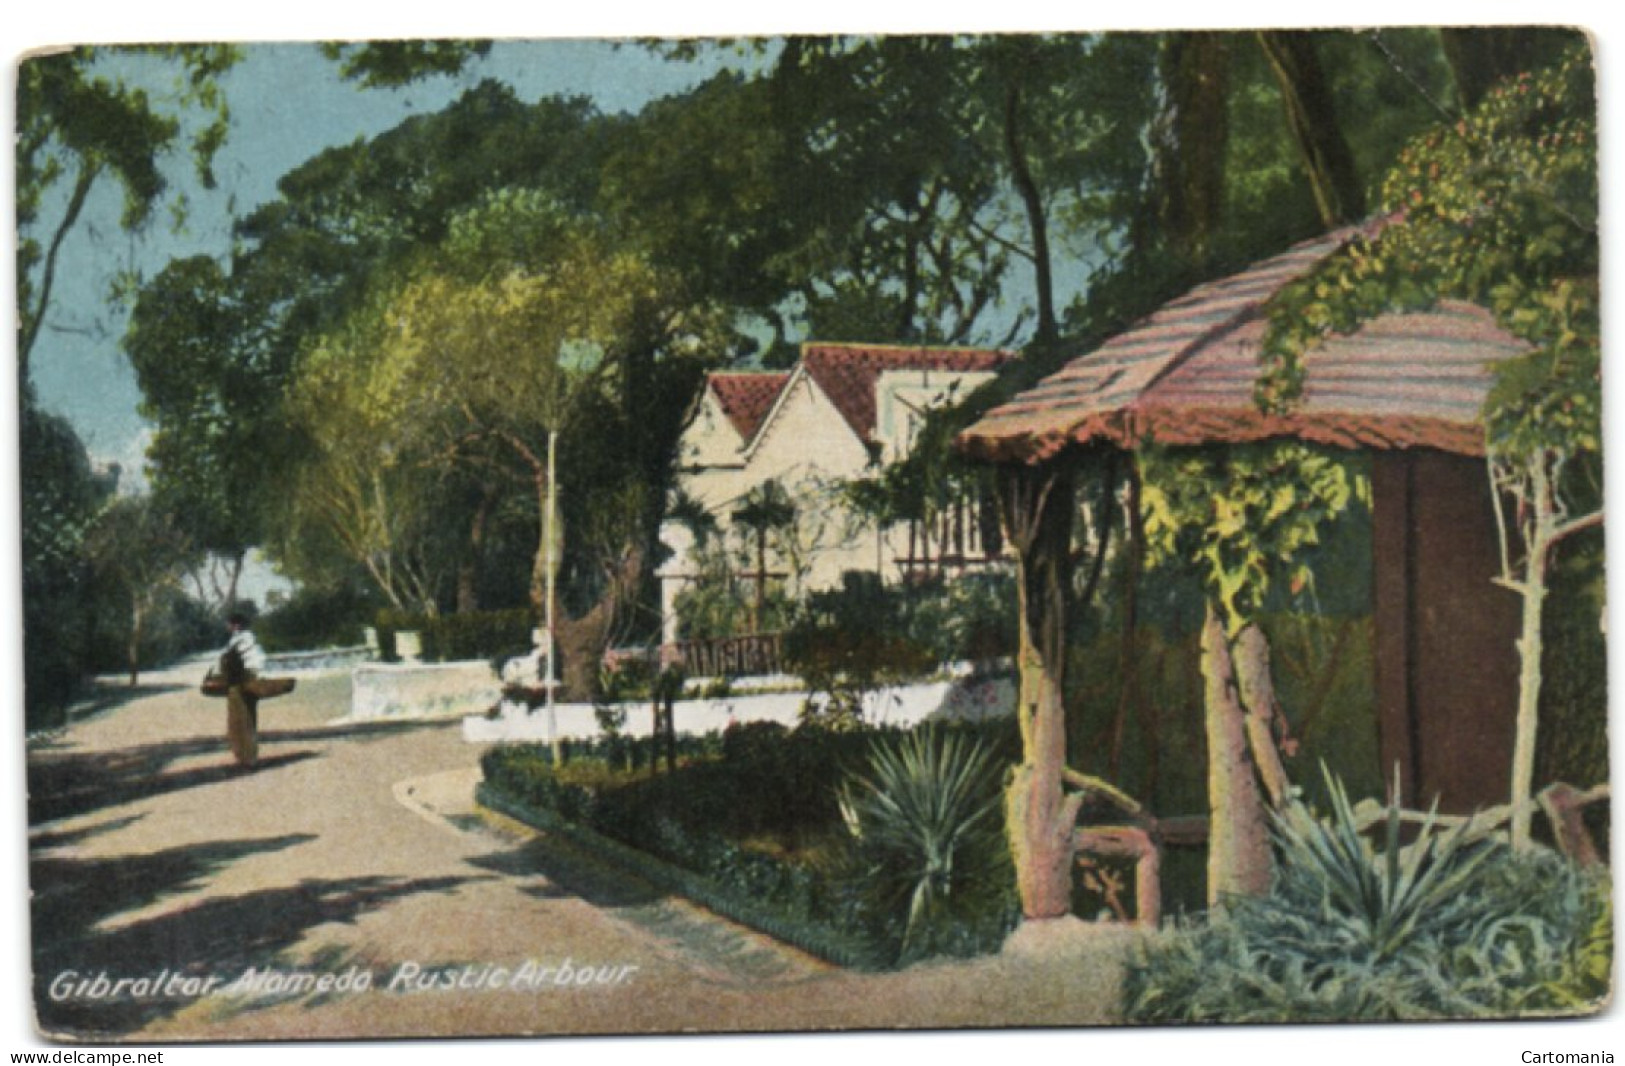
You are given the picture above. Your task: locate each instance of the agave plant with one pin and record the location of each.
(1384, 900)
(1450, 925)
(924, 814)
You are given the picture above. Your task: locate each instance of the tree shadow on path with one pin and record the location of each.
(63, 786)
(219, 937)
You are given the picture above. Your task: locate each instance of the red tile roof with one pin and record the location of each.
(847, 373)
(747, 398)
(1185, 375)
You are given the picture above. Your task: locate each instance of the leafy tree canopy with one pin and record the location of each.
(1500, 209)
(78, 120)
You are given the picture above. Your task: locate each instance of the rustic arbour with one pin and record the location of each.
(1407, 388)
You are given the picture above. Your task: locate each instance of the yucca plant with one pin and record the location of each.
(924, 819)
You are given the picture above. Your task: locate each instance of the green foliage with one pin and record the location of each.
(139, 552)
(391, 64)
(925, 819)
(459, 637)
(1443, 927)
(1376, 903)
(848, 642)
(1498, 208)
(1242, 515)
(1574, 670)
(719, 602)
(214, 392)
(60, 499)
(315, 617)
(77, 120)
(969, 618)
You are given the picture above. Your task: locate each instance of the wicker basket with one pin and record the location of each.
(264, 688)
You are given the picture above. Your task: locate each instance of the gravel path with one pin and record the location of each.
(352, 881)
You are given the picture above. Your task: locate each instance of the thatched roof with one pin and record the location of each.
(1185, 375)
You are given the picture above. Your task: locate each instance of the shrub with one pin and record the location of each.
(970, 618)
(1448, 926)
(848, 642)
(754, 812)
(315, 618)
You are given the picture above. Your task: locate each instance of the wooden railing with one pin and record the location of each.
(1144, 840)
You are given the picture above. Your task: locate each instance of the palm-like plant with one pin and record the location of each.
(924, 815)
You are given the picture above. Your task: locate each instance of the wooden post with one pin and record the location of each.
(1255, 679)
(1036, 510)
(1238, 858)
(1564, 807)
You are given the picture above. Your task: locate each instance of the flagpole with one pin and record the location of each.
(552, 568)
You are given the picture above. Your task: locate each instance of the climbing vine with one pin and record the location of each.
(1243, 515)
(1498, 208)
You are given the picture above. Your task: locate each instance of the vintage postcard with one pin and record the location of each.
(805, 533)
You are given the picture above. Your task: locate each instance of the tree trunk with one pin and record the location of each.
(1238, 860)
(1040, 818)
(582, 640)
(1312, 117)
(1255, 680)
(33, 318)
(1128, 652)
(236, 576)
(1537, 551)
(759, 600)
(1194, 134)
(1032, 200)
(137, 616)
(468, 593)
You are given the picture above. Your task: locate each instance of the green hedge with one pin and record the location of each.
(459, 637)
(314, 618)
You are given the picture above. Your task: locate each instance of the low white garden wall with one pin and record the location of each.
(319, 661)
(423, 690)
(958, 699)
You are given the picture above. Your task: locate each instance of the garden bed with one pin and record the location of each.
(749, 825)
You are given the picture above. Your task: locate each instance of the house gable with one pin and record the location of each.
(805, 433)
(711, 439)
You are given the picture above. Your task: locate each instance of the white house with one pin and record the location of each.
(842, 413)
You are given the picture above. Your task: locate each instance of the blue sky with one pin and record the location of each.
(287, 103)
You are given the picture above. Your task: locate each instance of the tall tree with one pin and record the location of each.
(214, 391)
(61, 497)
(1306, 94)
(1192, 134)
(79, 122)
(525, 323)
(144, 553)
